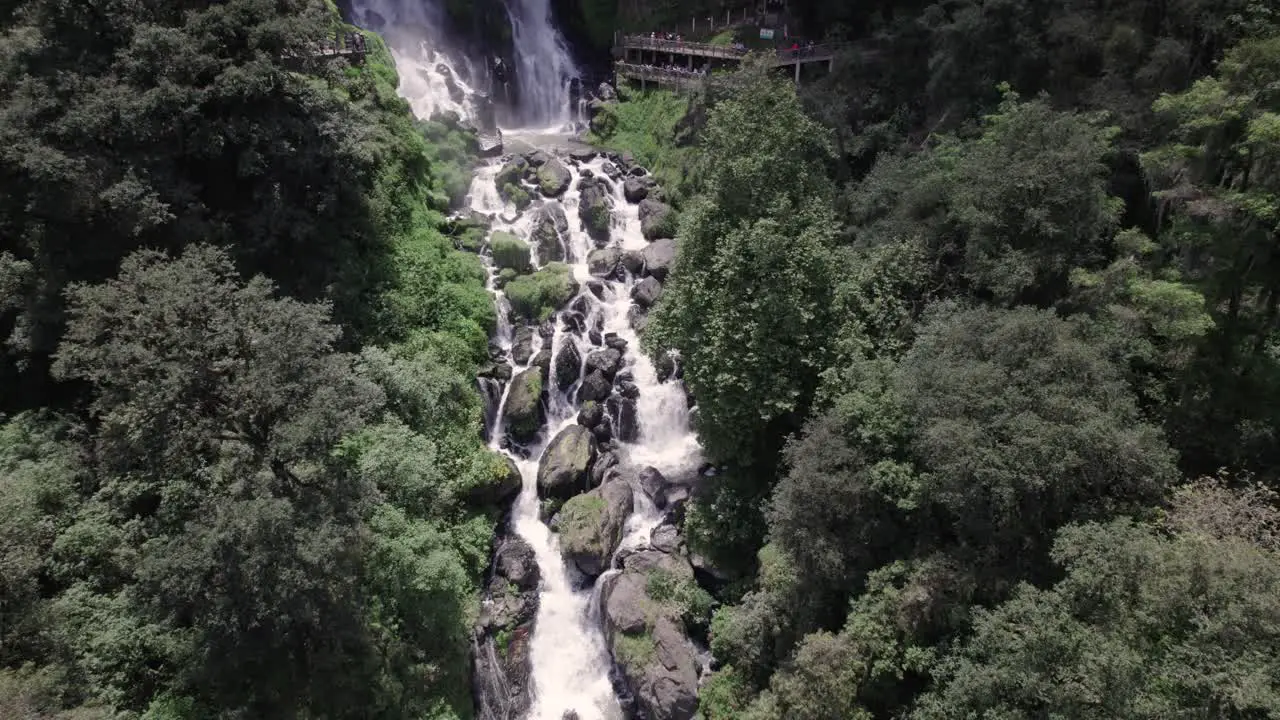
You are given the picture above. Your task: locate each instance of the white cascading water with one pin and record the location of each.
(569, 660)
(543, 64)
(570, 664)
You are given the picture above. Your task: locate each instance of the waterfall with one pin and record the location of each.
(570, 664)
(440, 74)
(543, 64)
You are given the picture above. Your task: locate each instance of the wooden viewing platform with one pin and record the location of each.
(784, 56)
(662, 76)
(351, 46)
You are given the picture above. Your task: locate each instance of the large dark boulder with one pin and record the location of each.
(657, 219)
(522, 345)
(607, 362)
(625, 418)
(590, 526)
(512, 172)
(603, 262)
(594, 208)
(646, 292)
(658, 258)
(523, 414)
(503, 489)
(568, 365)
(553, 178)
(595, 387)
(635, 189)
(550, 232)
(501, 663)
(655, 658)
(565, 468)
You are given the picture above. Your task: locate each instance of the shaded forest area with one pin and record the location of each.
(983, 336)
(240, 466)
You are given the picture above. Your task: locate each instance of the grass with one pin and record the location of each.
(644, 124)
(724, 37)
(635, 651)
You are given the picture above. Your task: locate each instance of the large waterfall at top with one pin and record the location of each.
(544, 65)
(439, 73)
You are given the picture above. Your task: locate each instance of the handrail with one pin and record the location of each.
(823, 51)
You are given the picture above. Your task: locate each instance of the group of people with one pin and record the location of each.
(675, 69)
(352, 41)
(670, 36)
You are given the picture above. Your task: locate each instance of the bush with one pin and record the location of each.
(537, 296)
(510, 252)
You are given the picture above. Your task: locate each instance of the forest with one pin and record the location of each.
(983, 331)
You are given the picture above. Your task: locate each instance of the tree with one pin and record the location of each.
(216, 408)
(1141, 626)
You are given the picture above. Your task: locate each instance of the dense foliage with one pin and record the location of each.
(963, 335)
(240, 465)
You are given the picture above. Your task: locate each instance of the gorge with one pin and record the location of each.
(599, 437)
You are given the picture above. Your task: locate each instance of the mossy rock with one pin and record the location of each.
(523, 411)
(537, 296)
(516, 195)
(505, 275)
(553, 178)
(510, 252)
(511, 173)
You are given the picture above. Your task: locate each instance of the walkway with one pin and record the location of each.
(818, 53)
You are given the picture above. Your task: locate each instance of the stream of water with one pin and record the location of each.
(568, 657)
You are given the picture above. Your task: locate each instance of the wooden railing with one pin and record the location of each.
(682, 79)
(783, 56)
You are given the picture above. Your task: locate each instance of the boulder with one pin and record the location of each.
(624, 417)
(651, 481)
(522, 345)
(604, 261)
(565, 468)
(656, 661)
(511, 173)
(666, 538)
(503, 488)
(658, 258)
(646, 292)
(522, 414)
(635, 190)
(612, 340)
(510, 252)
(639, 318)
(607, 362)
(550, 227)
(537, 158)
(656, 219)
(553, 178)
(595, 387)
(606, 462)
(514, 560)
(633, 261)
(613, 172)
(591, 414)
(593, 208)
(582, 155)
(596, 288)
(542, 361)
(606, 92)
(666, 367)
(568, 365)
(590, 526)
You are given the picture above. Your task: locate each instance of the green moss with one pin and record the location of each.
(645, 124)
(503, 641)
(635, 650)
(579, 522)
(505, 275)
(537, 296)
(510, 252)
(516, 195)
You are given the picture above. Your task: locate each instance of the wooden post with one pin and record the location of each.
(797, 72)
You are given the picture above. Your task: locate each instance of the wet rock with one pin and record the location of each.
(511, 173)
(666, 538)
(633, 261)
(656, 661)
(603, 433)
(596, 288)
(595, 387)
(550, 226)
(570, 715)
(547, 329)
(607, 362)
(638, 317)
(612, 171)
(656, 219)
(635, 190)
(666, 367)
(537, 158)
(606, 92)
(595, 337)
(625, 421)
(515, 561)
(605, 462)
(583, 155)
(586, 173)
(591, 414)
(565, 468)
(590, 526)
(658, 258)
(636, 171)
(594, 209)
(603, 262)
(651, 481)
(553, 178)
(614, 342)
(542, 361)
(502, 488)
(522, 345)
(646, 292)
(568, 366)
(629, 390)
(522, 414)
